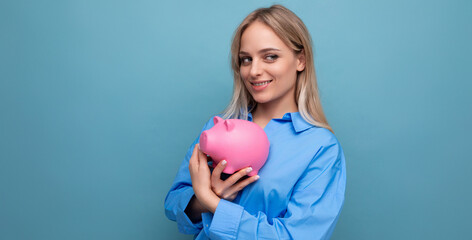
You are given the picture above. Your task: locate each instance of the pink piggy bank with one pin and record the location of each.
(241, 143)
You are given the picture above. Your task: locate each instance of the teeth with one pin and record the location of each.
(262, 83)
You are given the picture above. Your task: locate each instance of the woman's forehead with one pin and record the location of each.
(259, 36)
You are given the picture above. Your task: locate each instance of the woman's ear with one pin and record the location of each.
(301, 61)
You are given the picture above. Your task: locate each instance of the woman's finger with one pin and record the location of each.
(215, 176)
(202, 158)
(242, 184)
(194, 157)
(235, 177)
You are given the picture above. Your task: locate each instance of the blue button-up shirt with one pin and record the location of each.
(299, 195)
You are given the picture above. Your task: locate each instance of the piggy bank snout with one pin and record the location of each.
(204, 141)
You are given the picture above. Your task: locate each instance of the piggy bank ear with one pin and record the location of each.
(229, 125)
(217, 119)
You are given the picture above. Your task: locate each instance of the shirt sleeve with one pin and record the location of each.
(181, 192)
(312, 211)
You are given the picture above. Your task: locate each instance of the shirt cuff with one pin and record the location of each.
(184, 224)
(225, 222)
(207, 218)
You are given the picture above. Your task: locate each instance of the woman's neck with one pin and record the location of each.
(265, 112)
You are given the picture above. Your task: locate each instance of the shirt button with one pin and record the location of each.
(206, 225)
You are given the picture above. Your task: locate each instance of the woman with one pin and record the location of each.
(299, 192)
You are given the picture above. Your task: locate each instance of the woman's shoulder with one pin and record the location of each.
(322, 136)
(328, 150)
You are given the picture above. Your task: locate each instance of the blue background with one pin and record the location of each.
(100, 100)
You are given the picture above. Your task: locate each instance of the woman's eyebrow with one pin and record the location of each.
(260, 51)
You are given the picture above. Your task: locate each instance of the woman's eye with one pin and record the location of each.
(245, 60)
(272, 57)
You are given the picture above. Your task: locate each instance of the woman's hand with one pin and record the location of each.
(200, 175)
(208, 187)
(229, 188)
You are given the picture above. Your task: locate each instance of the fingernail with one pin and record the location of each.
(249, 169)
(257, 177)
(223, 162)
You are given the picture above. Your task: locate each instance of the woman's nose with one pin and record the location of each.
(256, 69)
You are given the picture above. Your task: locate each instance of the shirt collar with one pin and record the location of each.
(298, 122)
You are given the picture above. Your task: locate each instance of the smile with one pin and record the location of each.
(261, 83)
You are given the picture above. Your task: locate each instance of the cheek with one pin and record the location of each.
(243, 71)
(286, 71)
(279, 71)
(244, 74)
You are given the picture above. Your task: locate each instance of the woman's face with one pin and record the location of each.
(268, 66)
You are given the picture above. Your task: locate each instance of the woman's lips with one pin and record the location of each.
(258, 86)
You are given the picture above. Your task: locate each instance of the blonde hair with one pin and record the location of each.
(295, 35)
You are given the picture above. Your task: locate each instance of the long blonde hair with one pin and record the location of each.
(294, 34)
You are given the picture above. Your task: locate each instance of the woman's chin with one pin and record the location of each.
(260, 99)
